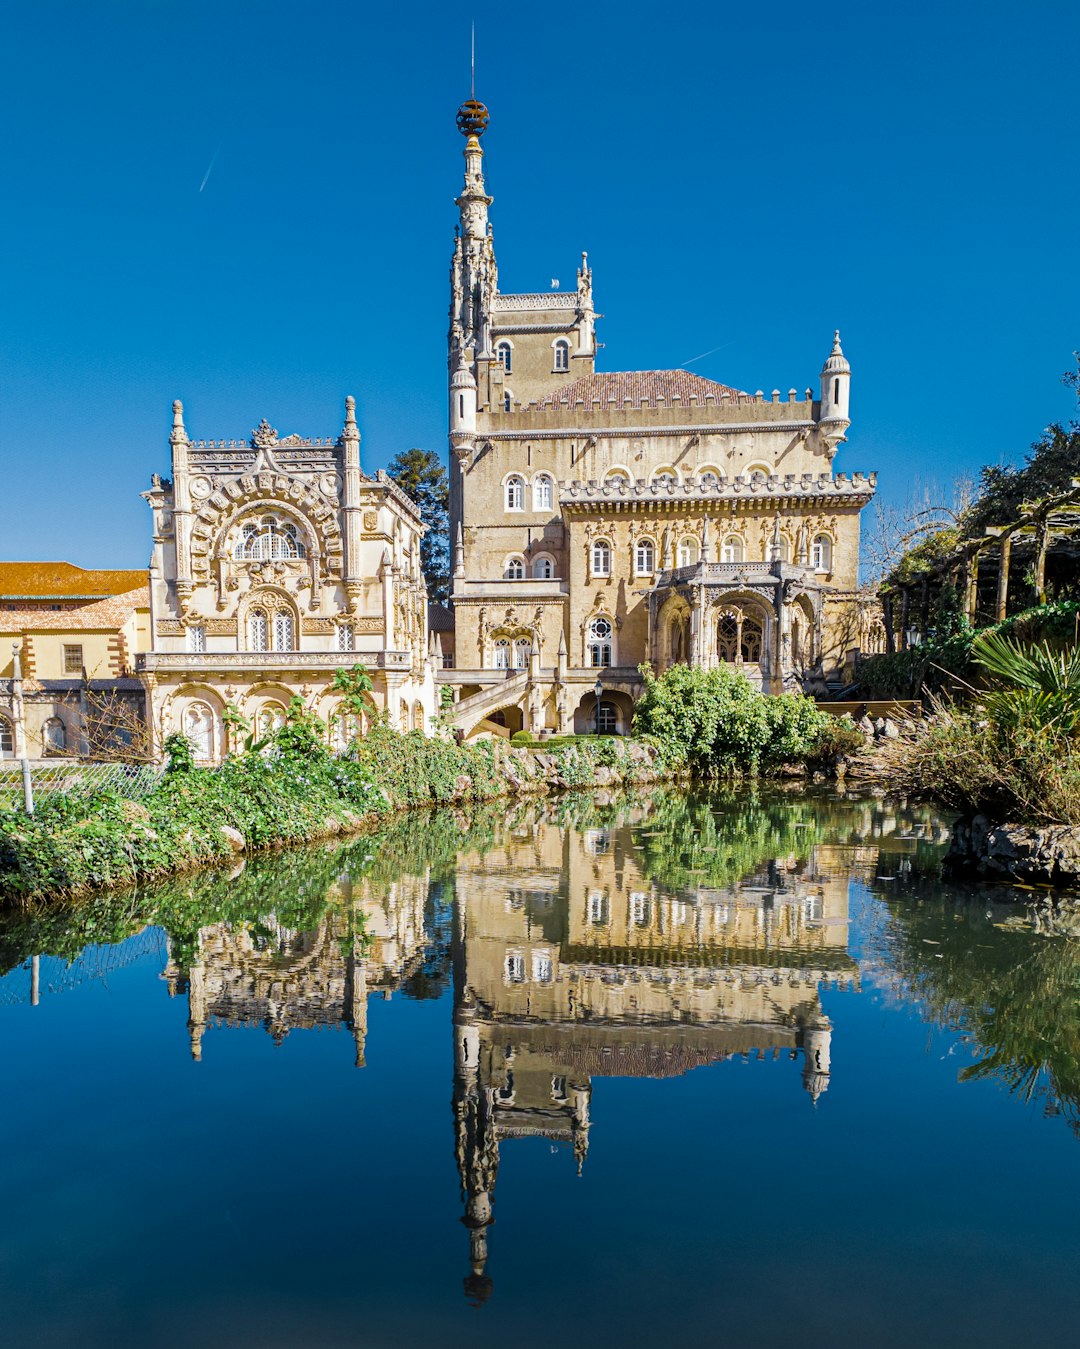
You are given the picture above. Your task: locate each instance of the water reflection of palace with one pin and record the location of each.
(652, 946)
(266, 974)
(571, 963)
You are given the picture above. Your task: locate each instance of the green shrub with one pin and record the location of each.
(717, 723)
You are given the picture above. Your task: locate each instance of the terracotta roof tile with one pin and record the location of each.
(63, 580)
(642, 387)
(110, 613)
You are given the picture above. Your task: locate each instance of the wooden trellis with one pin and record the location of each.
(1052, 522)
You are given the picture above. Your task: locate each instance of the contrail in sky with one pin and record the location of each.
(706, 353)
(210, 169)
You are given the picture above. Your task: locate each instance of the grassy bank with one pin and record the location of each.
(292, 791)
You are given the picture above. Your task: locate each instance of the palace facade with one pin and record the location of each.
(600, 520)
(276, 562)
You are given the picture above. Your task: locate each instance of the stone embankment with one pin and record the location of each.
(209, 817)
(1034, 854)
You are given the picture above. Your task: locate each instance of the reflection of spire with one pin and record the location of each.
(196, 1008)
(476, 1145)
(358, 1005)
(581, 1096)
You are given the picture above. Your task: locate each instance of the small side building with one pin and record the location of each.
(78, 632)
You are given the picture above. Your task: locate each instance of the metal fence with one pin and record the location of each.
(71, 779)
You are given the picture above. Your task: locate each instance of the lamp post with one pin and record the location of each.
(598, 689)
(18, 714)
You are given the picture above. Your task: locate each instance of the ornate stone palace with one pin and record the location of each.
(600, 520)
(276, 562)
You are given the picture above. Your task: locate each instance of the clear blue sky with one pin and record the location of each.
(745, 177)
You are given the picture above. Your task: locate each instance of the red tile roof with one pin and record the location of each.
(108, 614)
(63, 580)
(642, 387)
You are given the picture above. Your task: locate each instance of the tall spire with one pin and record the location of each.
(474, 278)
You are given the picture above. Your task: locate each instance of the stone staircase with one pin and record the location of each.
(468, 711)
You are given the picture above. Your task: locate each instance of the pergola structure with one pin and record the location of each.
(980, 568)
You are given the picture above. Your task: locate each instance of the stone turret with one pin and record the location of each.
(835, 393)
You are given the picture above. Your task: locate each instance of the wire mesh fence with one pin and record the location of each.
(44, 975)
(83, 779)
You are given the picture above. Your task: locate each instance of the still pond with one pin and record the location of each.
(708, 1068)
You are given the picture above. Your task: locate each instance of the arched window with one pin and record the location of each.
(515, 569)
(515, 493)
(758, 472)
(644, 557)
(502, 653)
(709, 479)
(821, 552)
(665, 477)
(270, 718)
(739, 638)
(284, 631)
(617, 478)
(543, 568)
(54, 736)
(258, 630)
(261, 540)
(732, 550)
(688, 551)
(522, 648)
(345, 727)
(418, 717)
(505, 352)
(607, 721)
(543, 493)
(199, 729)
(562, 355)
(346, 637)
(600, 642)
(601, 558)
(785, 548)
(7, 739)
(508, 401)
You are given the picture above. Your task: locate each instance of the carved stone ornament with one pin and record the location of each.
(329, 485)
(371, 520)
(264, 437)
(201, 487)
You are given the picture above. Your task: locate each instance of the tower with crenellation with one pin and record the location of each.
(603, 519)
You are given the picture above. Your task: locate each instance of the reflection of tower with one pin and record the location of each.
(477, 1147)
(817, 1039)
(261, 972)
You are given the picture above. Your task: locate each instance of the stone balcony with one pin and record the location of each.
(204, 662)
(738, 573)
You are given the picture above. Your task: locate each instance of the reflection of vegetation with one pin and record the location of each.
(297, 887)
(716, 840)
(995, 976)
